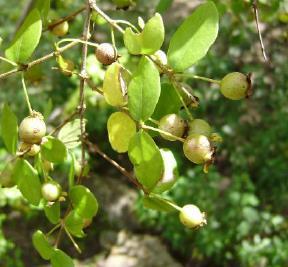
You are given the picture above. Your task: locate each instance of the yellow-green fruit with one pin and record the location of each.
(32, 129)
(199, 126)
(170, 175)
(234, 86)
(191, 216)
(30, 149)
(51, 191)
(173, 124)
(61, 29)
(106, 53)
(197, 148)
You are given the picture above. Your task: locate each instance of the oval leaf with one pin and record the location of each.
(53, 150)
(26, 38)
(121, 128)
(194, 37)
(157, 203)
(146, 158)
(9, 129)
(74, 224)
(149, 40)
(61, 259)
(42, 245)
(52, 212)
(144, 90)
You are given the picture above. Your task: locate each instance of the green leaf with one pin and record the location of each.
(43, 7)
(26, 38)
(84, 202)
(146, 158)
(42, 245)
(9, 129)
(144, 90)
(163, 5)
(54, 150)
(74, 224)
(121, 128)
(194, 37)
(70, 134)
(52, 212)
(71, 175)
(157, 203)
(61, 259)
(149, 40)
(27, 180)
(168, 95)
(6, 179)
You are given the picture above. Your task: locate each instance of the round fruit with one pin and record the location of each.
(61, 29)
(170, 175)
(191, 216)
(32, 129)
(197, 148)
(173, 124)
(106, 53)
(198, 126)
(51, 191)
(235, 86)
(29, 149)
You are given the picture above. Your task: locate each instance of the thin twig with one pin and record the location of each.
(93, 148)
(256, 15)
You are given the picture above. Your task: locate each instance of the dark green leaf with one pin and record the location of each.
(61, 259)
(9, 129)
(26, 38)
(194, 37)
(146, 158)
(54, 150)
(144, 90)
(42, 245)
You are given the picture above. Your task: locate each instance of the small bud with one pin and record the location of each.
(191, 216)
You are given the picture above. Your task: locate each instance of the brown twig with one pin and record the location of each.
(93, 148)
(67, 18)
(256, 15)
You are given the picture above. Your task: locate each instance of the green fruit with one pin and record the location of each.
(29, 149)
(61, 29)
(32, 129)
(173, 124)
(235, 86)
(197, 148)
(51, 191)
(106, 53)
(198, 126)
(191, 216)
(170, 175)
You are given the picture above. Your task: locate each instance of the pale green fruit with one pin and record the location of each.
(61, 29)
(115, 85)
(173, 124)
(106, 53)
(191, 216)
(197, 148)
(170, 175)
(32, 129)
(234, 86)
(51, 191)
(121, 128)
(199, 126)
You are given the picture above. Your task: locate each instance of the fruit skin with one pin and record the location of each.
(170, 175)
(173, 124)
(191, 216)
(106, 53)
(197, 148)
(235, 86)
(199, 126)
(32, 150)
(32, 129)
(51, 191)
(60, 29)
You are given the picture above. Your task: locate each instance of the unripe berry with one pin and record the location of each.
(173, 124)
(191, 216)
(51, 191)
(61, 29)
(197, 148)
(235, 86)
(29, 149)
(32, 129)
(106, 53)
(199, 126)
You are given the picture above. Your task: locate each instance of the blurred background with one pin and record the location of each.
(244, 194)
